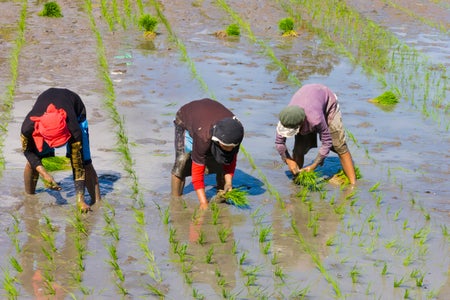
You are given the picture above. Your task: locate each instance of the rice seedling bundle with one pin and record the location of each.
(237, 197)
(387, 98)
(309, 180)
(56, 163)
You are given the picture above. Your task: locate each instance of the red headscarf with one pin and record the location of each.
(51, 127)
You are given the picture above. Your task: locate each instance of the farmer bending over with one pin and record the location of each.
(313, 110)
(207, 139)
(58, 118)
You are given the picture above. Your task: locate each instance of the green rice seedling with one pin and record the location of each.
(234, 247)
(224, 232)
(378, 200)
(221, 282)
(406, 294)
(405, 224)
(155, 291)
(342, 178)
(387, 98)
(445, 231)
(384, 270)
(9, 285)
(264, 232)
(331, 241)
(398, 282)
(396, 214)
(422, 234)
(278, 272)
(51, 10)
(201, 240)
(15, 264)
(215, 213)
(300, 294)
(266, 248)
(237, 197)
(242, 258)
(182, 252)
(209, 255)
(196, 294)
(374, 187)
(172, 235)
(355, 274)
(251, 279)
(166, 216)
(274, 259)
(286, 26)
(419, 280)
(408, 259)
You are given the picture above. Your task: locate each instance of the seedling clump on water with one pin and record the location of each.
(233, 30)
(286, 26)
(52, 10)
(149, 24)
(387, 98)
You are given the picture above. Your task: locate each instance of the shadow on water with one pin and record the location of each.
(241, 180)
(106, 182)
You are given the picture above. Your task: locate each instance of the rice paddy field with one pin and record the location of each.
(387, 237)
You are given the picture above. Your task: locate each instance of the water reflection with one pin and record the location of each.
(51, 270)
(316, 222)
(196, 230)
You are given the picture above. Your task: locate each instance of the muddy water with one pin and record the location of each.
(356, 229)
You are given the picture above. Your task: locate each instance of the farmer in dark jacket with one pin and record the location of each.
(313, 110)
(207, 139)
(58, 118)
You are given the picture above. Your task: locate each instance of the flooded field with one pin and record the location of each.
(387, 237)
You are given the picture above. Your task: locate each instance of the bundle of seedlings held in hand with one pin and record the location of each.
(237, 197)
(309, 180)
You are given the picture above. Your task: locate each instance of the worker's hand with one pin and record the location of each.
(293, 167)
(309, 168)
(49, 181)
(227, 187)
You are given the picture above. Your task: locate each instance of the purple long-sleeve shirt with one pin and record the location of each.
(320, 105)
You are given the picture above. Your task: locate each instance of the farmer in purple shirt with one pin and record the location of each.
(313, 110)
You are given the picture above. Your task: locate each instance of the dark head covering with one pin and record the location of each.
(228, 131)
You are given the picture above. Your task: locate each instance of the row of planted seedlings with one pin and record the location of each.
(10, 274)
(137, 206)
(397, 66)
(341, 207)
